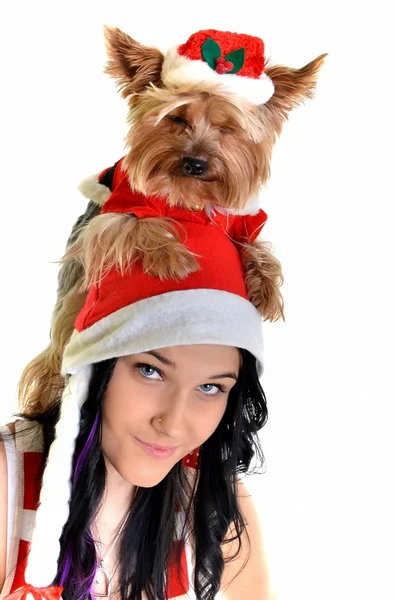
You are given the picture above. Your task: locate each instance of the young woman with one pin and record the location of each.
(140, 495)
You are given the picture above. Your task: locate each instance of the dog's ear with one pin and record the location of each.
(133, 65)
(292, 87)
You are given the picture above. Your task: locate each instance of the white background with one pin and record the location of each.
(328, 498)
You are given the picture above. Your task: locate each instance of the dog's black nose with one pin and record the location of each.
(194, 166)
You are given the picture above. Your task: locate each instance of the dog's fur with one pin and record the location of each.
(236, 139)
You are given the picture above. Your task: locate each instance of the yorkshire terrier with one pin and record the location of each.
(203, 119)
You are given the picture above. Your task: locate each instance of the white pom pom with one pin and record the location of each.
(93, 190)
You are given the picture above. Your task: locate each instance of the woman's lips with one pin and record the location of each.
(159, 451)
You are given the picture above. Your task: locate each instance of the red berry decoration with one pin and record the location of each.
(223, 65)
(232, 62)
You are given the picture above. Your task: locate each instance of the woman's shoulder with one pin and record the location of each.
(5, 430)
(16, 438)
(23, 434)
(248, 574)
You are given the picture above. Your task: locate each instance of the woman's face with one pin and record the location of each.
(186, 386)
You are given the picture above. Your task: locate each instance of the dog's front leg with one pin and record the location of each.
(117, 240)
(263, 276)
(159, 246)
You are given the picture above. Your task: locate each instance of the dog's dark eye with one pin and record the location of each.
(177, 119)
(226, 130)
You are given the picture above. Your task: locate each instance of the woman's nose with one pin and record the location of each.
(174, 415)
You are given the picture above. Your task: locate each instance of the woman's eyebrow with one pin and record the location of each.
(171, 364)
(161, 358)
(223, 375)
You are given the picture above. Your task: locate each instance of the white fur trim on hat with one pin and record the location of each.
(93, 190)
(179, 71)
(53, 510)
(184, 317)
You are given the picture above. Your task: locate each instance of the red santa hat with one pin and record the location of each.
(235, 62)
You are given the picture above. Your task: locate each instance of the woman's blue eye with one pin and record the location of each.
(216, 389)
(147, 371)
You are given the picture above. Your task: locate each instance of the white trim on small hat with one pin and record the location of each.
(179, 71)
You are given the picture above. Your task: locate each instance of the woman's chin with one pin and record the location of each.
(146, 475)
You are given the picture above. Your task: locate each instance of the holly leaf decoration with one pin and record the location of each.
(210, 51)
(236, 57)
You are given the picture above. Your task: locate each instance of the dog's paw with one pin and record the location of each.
(174, 261)
(263, 277)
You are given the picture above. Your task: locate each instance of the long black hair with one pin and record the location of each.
(210, 504)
